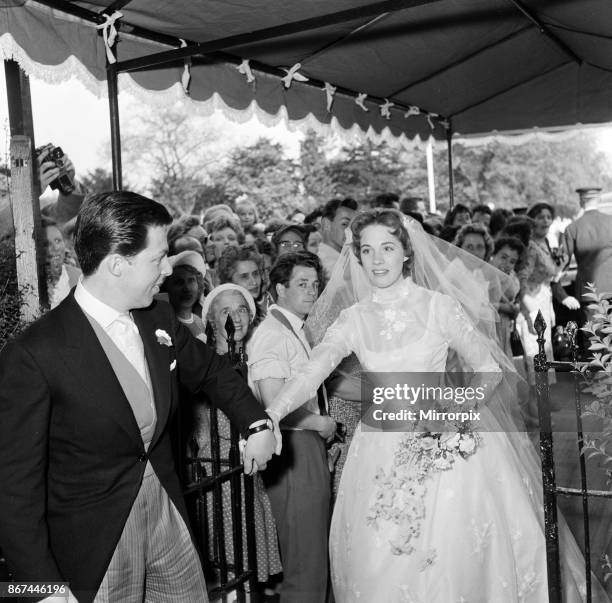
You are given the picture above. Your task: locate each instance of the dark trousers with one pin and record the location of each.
(298, 485)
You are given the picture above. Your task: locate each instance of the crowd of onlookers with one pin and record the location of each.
(266, 275)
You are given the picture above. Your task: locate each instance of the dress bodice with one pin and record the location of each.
(399, 332)
(402, 328)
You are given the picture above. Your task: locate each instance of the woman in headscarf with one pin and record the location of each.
(231, 300)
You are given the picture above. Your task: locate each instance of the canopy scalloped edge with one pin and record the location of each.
(73, 68)
(519, 137)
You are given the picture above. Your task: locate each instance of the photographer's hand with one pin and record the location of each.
(47, 170)
(69, 166)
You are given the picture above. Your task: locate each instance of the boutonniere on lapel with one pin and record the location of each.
(163, 338)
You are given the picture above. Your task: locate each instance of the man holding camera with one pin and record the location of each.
(297, 482)
(51, 166)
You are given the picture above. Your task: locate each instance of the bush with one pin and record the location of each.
(10, 296)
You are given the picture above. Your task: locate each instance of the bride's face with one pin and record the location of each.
(382, 255)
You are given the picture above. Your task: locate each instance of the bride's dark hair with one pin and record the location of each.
(393, 220)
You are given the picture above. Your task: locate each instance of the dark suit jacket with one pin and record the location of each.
(71, 454)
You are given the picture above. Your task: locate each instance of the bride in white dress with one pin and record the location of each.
(442, 518)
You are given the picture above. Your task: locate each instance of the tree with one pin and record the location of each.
(317, 184)
(509, 175)
(367, 169)
(175, 150)
(98, 181)
(262, 173)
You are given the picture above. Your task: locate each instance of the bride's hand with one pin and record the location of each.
(276, 430)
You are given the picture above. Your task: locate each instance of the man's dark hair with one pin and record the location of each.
(416, 215)
(313, 215)
(410, 204)
(499, 218)
(115, 222)
(283, 268)
(510, 242)
(330, 209)
(482, 208)
(385, 201)
(226, 264)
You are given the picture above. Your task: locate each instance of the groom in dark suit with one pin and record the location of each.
(88, 490)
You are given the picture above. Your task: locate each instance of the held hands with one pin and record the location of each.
(258, 451)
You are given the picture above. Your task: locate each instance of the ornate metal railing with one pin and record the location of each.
(551, 490)
(207, 476)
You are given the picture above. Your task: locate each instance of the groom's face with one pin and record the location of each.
(146, 271)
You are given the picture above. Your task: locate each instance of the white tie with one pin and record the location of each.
(124, 333)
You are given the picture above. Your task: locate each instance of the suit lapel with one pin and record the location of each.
(158, 356)
(88, 363)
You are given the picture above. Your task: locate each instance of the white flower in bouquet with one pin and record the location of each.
(429, 442)
(467, 445)
(450, 440)
(443, 462)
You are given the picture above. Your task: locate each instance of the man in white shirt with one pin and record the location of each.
(336, 216)
(297, 482)
(90, 495)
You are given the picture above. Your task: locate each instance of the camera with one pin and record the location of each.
(63, 182)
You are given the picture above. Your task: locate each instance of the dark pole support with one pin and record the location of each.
(113, 105)
(549, 484)
(451, 179)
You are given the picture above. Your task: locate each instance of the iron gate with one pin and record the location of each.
(550, 488)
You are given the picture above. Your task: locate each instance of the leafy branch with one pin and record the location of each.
(598, 373)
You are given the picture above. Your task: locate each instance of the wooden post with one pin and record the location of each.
(26, 211)
(24, 192)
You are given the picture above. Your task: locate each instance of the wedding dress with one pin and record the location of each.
(468, 530)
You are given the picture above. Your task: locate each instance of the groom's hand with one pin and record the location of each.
(258, 451)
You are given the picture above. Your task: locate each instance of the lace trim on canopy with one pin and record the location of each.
(73, 68)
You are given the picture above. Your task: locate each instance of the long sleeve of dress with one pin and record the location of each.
(466, 340)
(339, 342)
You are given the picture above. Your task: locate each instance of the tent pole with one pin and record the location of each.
(451, 179)
(431, 183)
(113, 105)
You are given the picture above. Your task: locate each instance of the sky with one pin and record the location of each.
(70, 116)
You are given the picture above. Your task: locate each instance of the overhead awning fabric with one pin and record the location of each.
(485, 65)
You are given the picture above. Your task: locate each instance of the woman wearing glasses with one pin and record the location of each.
(291, 237)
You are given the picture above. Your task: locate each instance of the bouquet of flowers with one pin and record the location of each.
(399, 496)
